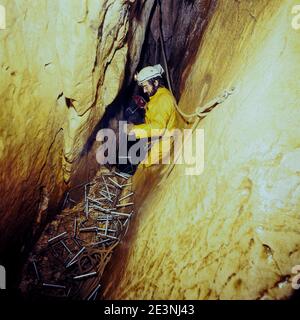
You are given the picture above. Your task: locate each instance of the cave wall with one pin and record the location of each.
(62, 63)
(233, 231)
(183, 24)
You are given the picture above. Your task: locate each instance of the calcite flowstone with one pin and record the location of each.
(232, 232)
(62, 63)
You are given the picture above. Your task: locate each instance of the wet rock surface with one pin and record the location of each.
(233, 231)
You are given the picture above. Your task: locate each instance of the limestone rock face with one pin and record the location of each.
(233, 231)
(62, 63)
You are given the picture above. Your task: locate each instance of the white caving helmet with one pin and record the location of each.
(149, 73)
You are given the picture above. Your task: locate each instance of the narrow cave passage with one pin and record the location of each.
(172, 36)
(67, 245)
(72, 229)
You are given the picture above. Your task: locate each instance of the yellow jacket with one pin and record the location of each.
(160, 115)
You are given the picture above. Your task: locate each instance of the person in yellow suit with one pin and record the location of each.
(160, 117)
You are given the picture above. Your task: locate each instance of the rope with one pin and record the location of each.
(200, 111)
(161, 38)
